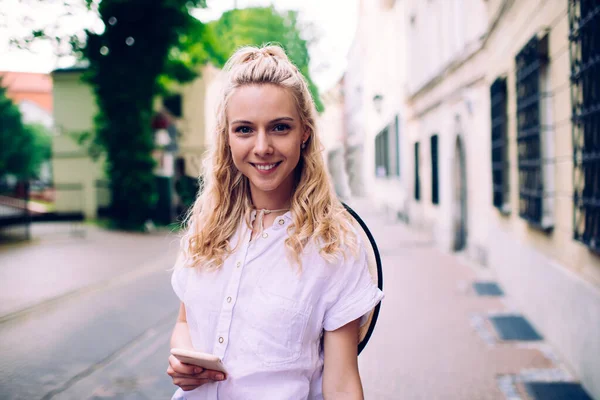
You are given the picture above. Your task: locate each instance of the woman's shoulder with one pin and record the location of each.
(350, 247)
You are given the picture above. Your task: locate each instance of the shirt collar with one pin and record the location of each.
(286, 218)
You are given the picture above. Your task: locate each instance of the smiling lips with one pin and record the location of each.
(266, 168)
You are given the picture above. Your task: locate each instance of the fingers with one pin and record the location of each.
(211, 374)
(190, 383)
(180, 368)
(189, 377)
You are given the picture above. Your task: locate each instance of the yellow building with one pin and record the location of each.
(81, 183)
(499, 169)
(79, 180)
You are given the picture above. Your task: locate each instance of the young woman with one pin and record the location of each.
(273, 276)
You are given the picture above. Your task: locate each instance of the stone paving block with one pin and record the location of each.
(487, 289)
(514, 327)
(556, 391)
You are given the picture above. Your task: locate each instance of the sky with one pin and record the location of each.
(334, 21)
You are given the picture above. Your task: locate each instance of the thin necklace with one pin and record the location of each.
(261, 215)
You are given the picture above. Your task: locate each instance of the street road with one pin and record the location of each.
(102, 344)
(85, 317)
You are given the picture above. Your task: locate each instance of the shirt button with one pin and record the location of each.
(265, 235)
(239, 264)
(281, 222)
(221, 340)
(229, 299)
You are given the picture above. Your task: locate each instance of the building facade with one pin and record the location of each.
(448, 105)
(330, 124)
(77, 177)
(354, 108)
(28, 86)
(544, 216)
(497, 145)
(375, 112)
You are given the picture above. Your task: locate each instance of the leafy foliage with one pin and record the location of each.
(125, 63)
(258, 26)
(23, 148)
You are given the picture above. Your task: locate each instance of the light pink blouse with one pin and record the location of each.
(265, 320)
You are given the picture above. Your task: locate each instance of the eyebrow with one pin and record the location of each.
(239, 121)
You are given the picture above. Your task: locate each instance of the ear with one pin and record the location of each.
(305, 135)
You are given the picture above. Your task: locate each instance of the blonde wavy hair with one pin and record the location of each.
(225, 200)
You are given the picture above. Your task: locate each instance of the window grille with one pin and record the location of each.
(584, 43)
(417, 177)
(500, 177)
(529, 62)
(435, 186)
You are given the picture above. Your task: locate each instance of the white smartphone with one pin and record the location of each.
(204, 360)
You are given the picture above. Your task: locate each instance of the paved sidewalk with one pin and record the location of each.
(55, 266)
(432, 339)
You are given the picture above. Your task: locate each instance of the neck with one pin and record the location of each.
(270, 201)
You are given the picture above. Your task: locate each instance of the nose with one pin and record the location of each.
(262, 145)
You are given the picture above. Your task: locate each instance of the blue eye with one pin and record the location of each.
(281, 127)
(243, 129)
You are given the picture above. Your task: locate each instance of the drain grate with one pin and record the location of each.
(513, 327)
(487, 289)
(556, 391)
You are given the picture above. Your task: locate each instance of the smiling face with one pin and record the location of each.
(265, 134)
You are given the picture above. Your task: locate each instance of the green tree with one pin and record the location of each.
(126, 61)
(23, 148)
(258, 26)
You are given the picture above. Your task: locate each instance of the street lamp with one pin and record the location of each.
(377, 102)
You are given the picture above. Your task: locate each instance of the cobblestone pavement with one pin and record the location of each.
(433, 339)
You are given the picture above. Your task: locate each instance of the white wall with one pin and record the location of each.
(380, 40)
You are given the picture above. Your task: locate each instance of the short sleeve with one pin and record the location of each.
(353, 293)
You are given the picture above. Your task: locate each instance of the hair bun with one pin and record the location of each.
(250, 53)
(274, 51)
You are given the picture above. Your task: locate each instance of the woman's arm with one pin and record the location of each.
(341, 379)
(181, 333)
(187, 377)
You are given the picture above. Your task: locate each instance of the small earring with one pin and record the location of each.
(303, 145)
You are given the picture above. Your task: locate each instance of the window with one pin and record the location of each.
(584, 38)
(173, 104)
(417, 177)
(387, 157)
(381, 154)
(498, 96)
(435, 186)
(397, 125)
(530, 63)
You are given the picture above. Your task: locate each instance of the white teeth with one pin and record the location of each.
(266, 167)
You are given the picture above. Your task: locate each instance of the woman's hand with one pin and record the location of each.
(186, 376)
(189, 377)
